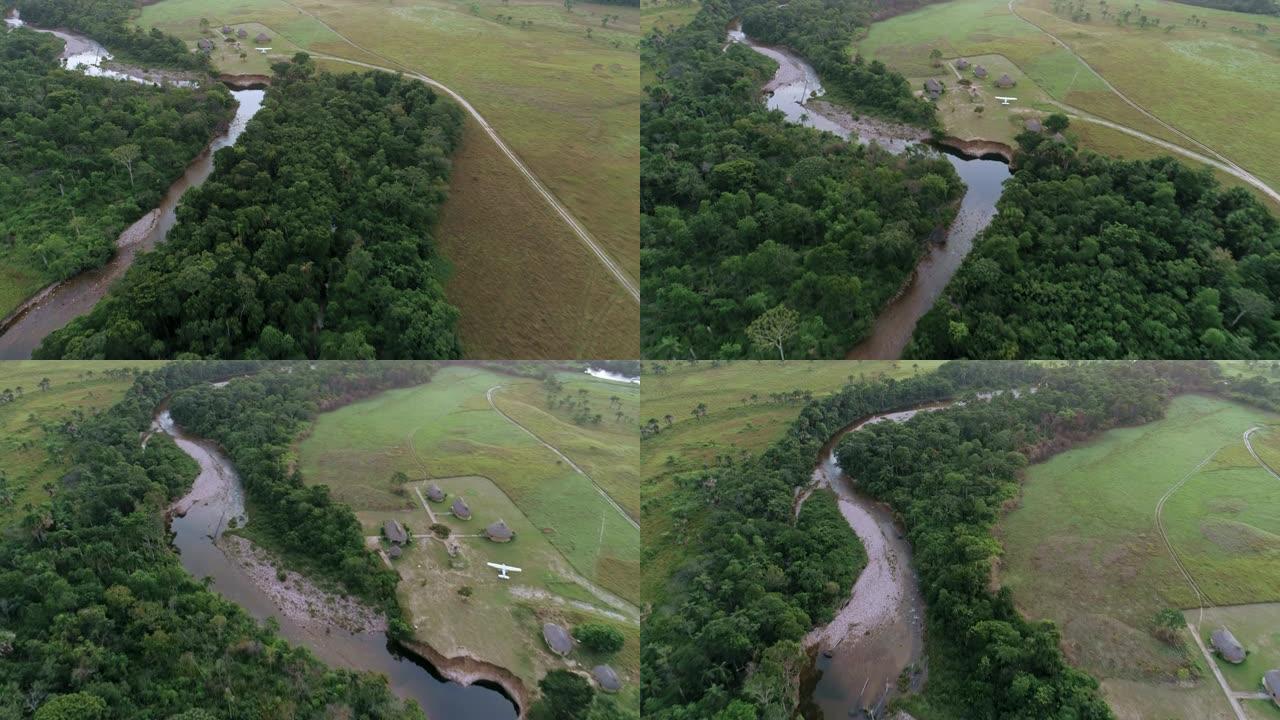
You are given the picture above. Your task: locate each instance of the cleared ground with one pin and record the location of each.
(733, 423)
(32, 418)
(1082, 548)
(1212, 83)
(562, 87)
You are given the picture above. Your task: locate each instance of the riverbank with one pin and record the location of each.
(466, 670)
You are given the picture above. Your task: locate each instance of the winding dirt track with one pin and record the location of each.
(1222, 162)
(581, 232)
(489, 396)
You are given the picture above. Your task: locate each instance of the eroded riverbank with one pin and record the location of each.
(795, 90)
(338, 630)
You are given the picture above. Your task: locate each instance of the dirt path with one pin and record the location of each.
(489, 396)
(581, 232)
(1224, 163)
(1263, 463)
(1217, 673)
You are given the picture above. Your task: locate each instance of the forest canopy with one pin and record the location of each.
(312, 238)
(1094, 257)
(68, 189)
(745, 216)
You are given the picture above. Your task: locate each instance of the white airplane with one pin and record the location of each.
(1005, 100)
(504, 569)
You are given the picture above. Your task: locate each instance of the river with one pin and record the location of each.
(791, 90)
(56, 305)
(200, 517)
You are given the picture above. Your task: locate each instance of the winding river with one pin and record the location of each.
(791, 90)
(56, 305)
(199, 519)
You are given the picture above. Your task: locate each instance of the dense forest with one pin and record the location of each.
(726, 644)
(111, 23)
(99, 620)
(85, 157)
(762, 238)
(311, 238)
(1259, 7)
(1094, 257)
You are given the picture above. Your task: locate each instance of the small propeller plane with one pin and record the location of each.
(503, 570)
(1005, 100)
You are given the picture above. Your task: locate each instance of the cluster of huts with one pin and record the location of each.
(206, 45)
(560, 642)
(497, 531)
(933, 88)
(1229, 648)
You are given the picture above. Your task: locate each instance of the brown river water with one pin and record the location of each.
(199, 519)
(58, 304)
(793, 90)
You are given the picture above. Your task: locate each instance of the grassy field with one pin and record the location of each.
(1258, 629)
(1211, 83)
(562, 87)
(1082, 548)
(25, 423)
(607, 451)
(730, 425)
(16, 284)
(447, 429)
(667, 14)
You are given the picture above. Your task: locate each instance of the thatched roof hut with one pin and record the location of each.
(557, 638)
(606, 678)
(979, 71)
(204, 45)
(242, 33)
(1226, 645)
(226, 29)
(1005, 81)
(262, 38)
(460, 509)
(434, 493)
(962, 64)
(499, 532)
(395, 552)
(1034, 125)
(933, 88)
(1271, 683)
(395, 532)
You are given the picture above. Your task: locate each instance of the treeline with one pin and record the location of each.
(257, 420)
(747, 219)
(1095, 257)
(724, 645)
(821, 32)
(947, 474)
(1259, 7)
(83, 158)
(111, 23)
(99, 619)
(311, 238)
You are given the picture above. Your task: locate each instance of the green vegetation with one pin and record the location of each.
(744, 215)
(107, 623)
(599, 638)
(37, 402)
(311, 238)
(110, 22)
(1091, 257)
(83, 158)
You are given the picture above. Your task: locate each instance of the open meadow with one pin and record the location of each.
(1083, 548)
(560, 86)
(579, 554)
(29, 421)
(1212, 78)
(743, 413)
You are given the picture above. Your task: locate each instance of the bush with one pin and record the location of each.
(599, 637)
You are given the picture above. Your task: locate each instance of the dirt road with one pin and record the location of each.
(581, 232)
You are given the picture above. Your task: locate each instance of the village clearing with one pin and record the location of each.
(560, 86)
(1215, 83)
(579, 556)
(1082, 548)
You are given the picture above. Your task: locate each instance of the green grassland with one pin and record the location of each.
(16, 285)
(667, 14)
(74, 386)
(484, 624)
(1258, 628)
(1204, 81)
(730, 426)
(1082, 548)
(607, 451)
(567, 102)
(447, 429)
